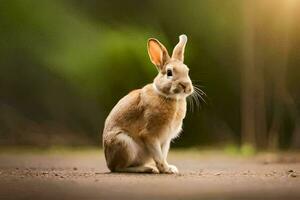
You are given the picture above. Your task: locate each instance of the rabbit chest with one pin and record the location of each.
(164, 118)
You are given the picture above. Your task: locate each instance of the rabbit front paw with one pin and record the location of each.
(172, 169)
(167, 169)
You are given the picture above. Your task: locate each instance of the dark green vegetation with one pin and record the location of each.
(64, 64)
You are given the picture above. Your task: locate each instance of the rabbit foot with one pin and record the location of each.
(168, 169)
(138, 169)
(154, 170)
(172, 169)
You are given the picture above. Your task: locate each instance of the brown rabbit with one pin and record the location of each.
(140, 127)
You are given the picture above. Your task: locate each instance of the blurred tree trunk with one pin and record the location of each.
(247, 85)
(284, 105)
(257, 48)
(260, 101)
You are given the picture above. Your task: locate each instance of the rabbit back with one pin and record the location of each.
(144, 113)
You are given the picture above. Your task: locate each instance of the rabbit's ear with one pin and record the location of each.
(158, 53)
(178, 52)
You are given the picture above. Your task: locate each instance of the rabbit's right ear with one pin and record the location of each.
(158, 53)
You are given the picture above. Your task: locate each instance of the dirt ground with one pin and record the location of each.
(83, 175)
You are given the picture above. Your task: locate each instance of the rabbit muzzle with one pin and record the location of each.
(183, 87)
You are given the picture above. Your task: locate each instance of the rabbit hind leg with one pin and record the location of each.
(123, 154)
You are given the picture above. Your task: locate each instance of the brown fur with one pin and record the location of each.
(142, 124)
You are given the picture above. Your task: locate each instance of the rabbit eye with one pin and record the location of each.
(169, 73)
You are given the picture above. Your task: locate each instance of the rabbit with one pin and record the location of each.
(141, 126)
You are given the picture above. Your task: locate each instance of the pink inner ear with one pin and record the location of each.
(155, 52)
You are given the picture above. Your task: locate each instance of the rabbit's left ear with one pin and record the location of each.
(178, 52)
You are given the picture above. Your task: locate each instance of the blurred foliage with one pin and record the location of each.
(64, 65)
(244, 150)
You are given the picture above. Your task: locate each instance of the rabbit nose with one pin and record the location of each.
(185, 86)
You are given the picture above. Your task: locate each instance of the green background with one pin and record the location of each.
(64, 65)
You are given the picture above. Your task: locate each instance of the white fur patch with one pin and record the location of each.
(158, 91)
(130, 144)
(176, 131)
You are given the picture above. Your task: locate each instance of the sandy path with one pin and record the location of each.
(73, 175)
